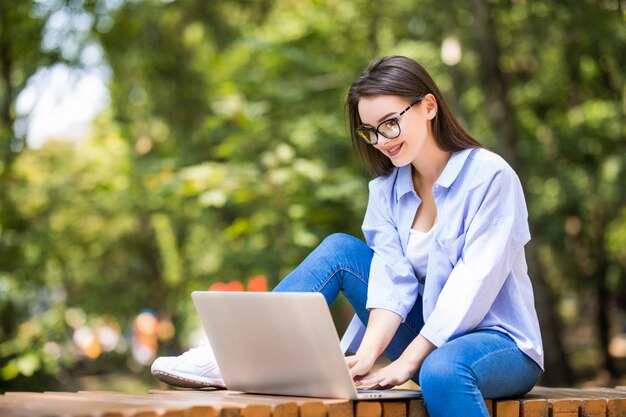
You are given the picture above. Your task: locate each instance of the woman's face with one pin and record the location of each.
(414, 126)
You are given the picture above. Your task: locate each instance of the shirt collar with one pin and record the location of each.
(448, 175)
(405, 181)
(453, 167)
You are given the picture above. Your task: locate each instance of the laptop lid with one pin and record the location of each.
(278, 343)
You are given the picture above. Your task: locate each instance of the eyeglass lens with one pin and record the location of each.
(389, 129)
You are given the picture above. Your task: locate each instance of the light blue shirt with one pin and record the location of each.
(476, 277)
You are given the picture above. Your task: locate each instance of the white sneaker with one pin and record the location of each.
(195, 368)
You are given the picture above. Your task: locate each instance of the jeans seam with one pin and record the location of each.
(515, 348)
(339, 269)
(492, 354)
(478, 361)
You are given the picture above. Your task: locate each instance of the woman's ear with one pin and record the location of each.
(430, 104)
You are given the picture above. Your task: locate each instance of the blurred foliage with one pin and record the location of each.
(224, 155)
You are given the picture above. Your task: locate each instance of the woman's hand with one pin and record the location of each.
(360, 365)
(396, 373)
(400, 370)
(381, 327)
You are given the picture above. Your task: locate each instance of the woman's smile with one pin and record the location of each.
(394, 150)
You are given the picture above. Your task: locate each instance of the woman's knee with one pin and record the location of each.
(444, 372)
(338, 242)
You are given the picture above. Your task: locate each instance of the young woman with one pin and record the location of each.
(442, 282)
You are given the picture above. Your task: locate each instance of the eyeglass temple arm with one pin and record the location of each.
(411, 105)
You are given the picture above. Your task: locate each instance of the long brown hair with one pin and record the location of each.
(403, 77)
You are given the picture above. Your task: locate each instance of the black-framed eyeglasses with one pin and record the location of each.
(389, 128)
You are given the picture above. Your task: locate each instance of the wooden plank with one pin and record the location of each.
(550, 393)
(173, 413)
(339, 408)
(613, 392)
(279, 406)
(417, 408)
(38, 402)
(534, 408)
(227, 406)
(589, 393)
(506, 408)
(69, 405)
(615, 400)
(312, 409)
(394, 408)
(564, 407)
(593, 407)
(8, 411)
(163, 405)
(308, 407)
(167, 406)
(616, 407)
(368, 409)
(201, 411)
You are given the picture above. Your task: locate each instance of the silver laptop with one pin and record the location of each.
(281, 344)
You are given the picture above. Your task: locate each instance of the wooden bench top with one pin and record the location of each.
(540, 402)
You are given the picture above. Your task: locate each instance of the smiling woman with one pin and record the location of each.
(441, 282)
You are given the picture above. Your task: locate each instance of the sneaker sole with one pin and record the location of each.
(179, 381)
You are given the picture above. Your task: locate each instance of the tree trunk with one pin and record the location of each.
(598, 251)
(503, 118)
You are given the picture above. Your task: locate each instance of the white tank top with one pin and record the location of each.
(417, 251)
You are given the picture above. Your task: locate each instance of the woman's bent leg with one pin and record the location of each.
(456, 377)
(340, 263)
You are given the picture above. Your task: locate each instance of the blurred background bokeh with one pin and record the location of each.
(151, 148)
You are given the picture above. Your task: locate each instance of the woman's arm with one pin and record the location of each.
(381, 327)
(392, 284)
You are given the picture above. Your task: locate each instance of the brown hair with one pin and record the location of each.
(403, 77)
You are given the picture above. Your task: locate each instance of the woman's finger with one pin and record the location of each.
(351, 361)
(359, 369)
(367, 379)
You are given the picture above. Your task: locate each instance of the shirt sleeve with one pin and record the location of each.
(498, 231)
(392, 283)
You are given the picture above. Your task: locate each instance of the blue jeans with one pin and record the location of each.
(455, 377)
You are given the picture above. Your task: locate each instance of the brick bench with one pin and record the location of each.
(540, 402)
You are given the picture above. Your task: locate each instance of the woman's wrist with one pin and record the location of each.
(381, 327)
(367, 352)
(417, 351)
(411, 359)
